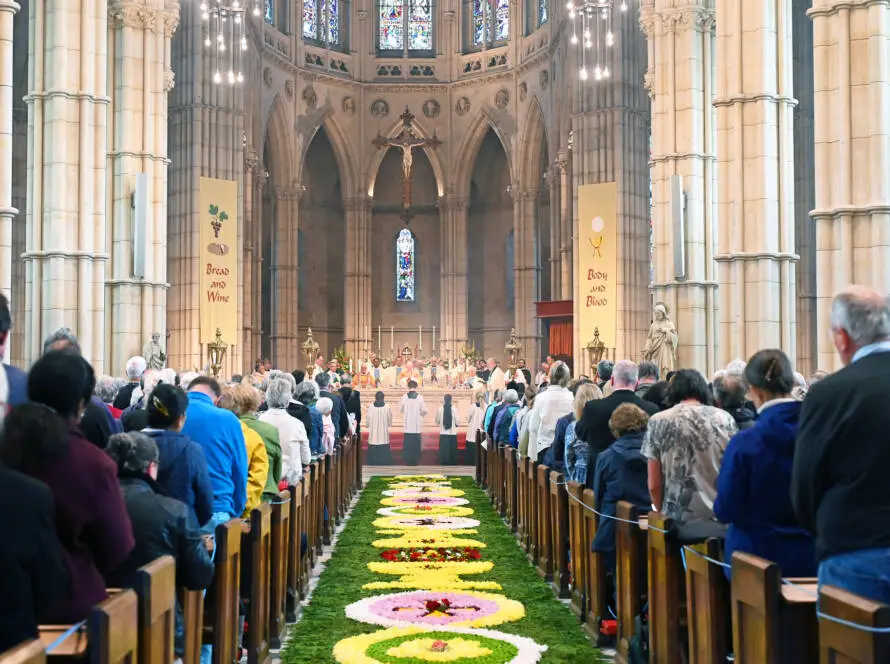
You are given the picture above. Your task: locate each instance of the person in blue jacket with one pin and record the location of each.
(754, 485)
(16, 379)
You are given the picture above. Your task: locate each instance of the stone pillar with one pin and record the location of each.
(680, 82)
(453, 225)
(285, 341)
(139, 40)
(206, 139)
(553, 260)
(755, 178)
(567, 227)
(852, 130)
(67, 135)
(358, 275)
(525, 268)
(251, 287)
(8, 9)
(610, 138)
(255, 232)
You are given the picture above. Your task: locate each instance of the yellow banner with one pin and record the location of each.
(598, 263)
(218, 259)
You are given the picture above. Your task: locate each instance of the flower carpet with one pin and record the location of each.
(425, 571)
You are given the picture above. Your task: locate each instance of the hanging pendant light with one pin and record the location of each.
(225, 36)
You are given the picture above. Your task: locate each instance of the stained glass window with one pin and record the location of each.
(322, 21)
(542, 12)
(490, 22)
(405, 26)
(269, 12)
(405, 266)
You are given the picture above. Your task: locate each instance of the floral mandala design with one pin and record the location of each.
(436, 608)
(423, 499)
(424, 509)
(425, 522)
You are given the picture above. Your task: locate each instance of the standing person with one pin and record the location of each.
(729, 395)
(839, 483)
(577, 450)
(685, 445)
(754, 485)
(91, 517)
(525, 371)
(291, 433)
(218, 432)
(328, 431)
(352, 401)
(550, 405)
(379, 421)
(182, 472)
(338, 413)
(257, 459)
(474, 425)
(647, 376)
(448, 420)
(604, 373)
(246, 403)
(413, 409)
(134, 369)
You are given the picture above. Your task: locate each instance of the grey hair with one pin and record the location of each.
(729, 391)
(863, 314)
(186, 378)
(560, 374)
(279, 393)
(511, 396)
(604, 369)
(345, 379)
(324, 406)
(625, 374)
(648, 369)
(106, 388)
(135, 367)
(306, 392)
(736, 368)
(132, 451)
(323, 380)
(275, 373)
(65, 334)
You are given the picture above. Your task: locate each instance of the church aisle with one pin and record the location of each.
(426, 571)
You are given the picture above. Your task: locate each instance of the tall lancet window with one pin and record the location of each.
(489, 22)
(405, 27)
(405, 266)
(324, 22)
(269, 11)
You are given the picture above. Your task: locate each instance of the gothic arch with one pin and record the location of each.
(378, 155)
(278, 139)
(342, 152)
(532, 142)
(469, 148)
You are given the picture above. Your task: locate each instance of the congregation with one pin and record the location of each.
(100, 476)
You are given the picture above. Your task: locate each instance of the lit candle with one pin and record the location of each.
(350, 365)
(420, 337)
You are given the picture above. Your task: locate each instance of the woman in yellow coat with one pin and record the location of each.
(257, 459)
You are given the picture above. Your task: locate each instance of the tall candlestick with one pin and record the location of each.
(379, 339)
(420, 337)
(434, 338)
(392, 339)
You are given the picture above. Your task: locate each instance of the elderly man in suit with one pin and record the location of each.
(594, 425)
(839, 484)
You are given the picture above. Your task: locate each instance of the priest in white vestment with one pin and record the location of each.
(379, 420)
(497, 379)
(413, 409)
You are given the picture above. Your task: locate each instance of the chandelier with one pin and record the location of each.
(225, 37)
(592, 32)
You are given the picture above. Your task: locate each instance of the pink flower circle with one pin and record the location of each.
(429, 500)
(417, 608)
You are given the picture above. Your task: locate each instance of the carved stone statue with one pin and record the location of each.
(661, 344)
(153, 352)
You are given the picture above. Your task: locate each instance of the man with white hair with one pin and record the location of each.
(497, 379)
(839, 483)
(135, 367)
(594, 424)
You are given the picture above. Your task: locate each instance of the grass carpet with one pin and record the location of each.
(324, 623)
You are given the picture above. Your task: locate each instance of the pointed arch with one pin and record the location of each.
(342, 152)
(433, 157)
(533, 140)
(278, 139)
(469, 148)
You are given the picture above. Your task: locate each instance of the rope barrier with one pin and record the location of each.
(713, 561)
(614, 518)
(64, 637)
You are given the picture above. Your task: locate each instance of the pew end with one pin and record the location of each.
(192, 602)
(630, 574)
(280, 560)
(666, 590)
(256, 551)
(30, 652)
(156, 590)
(841, 643)
(707, 605)
(221, 615)
(113, 628)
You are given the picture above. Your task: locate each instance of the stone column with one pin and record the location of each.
(252, 252)
(206, 139)
(8, 9)
(285, 341)
(554, 260)
(525, 268)
(453, 229)
(358, 274)
(67, 136)
(610, 139)
(566, 224)
(255, 232)
(139, 41)
(755, 178)
(852, 129)
(680, 82)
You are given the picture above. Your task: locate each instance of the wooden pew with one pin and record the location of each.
(257, 550)
(545, 527)
(707, 605)
(316, 509)
(329, 499)
(665, 592)
(30, 652)
(357, 463)
(772, 623)
(294, 559)
(111, 635)
(521, 470)
(309, 558)
(578, 546)
(156, 591)
(630, 574)
(503, 469)
(493, 468)
(596, 592)
(532, 511)
(510, 477)
(221, 606)
(480, 480)
(192, 602)
(840, 643)
(280, 562)
(559, 534)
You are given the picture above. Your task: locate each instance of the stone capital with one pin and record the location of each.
(9, 6)
(288, 193)
(129, 14)
(453, 203)
(356, 203)
(251, 159)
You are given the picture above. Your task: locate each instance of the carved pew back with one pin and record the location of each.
(156, 591)
(841, 643)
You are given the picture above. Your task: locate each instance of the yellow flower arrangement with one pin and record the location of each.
(413, 491)
(423, 649)
(425, 523)
(426, 510)
(399, 501)
(416, 478)
(432, 576)
(452, 568)
(431, 583)
(435, 539)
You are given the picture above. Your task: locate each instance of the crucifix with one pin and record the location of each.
(406, 140)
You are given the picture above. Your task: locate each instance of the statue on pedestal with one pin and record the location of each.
(661, 344)
(153, 352)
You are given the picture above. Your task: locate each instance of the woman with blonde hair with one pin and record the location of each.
(576, 449)
(247, 401)
(257, 459)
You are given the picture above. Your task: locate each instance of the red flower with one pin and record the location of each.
(432, 605)
(438, 646)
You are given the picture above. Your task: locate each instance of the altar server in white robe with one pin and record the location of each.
(448, 420)
(497, 379)
(379, 421)
(413, 408)
(475, 418)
